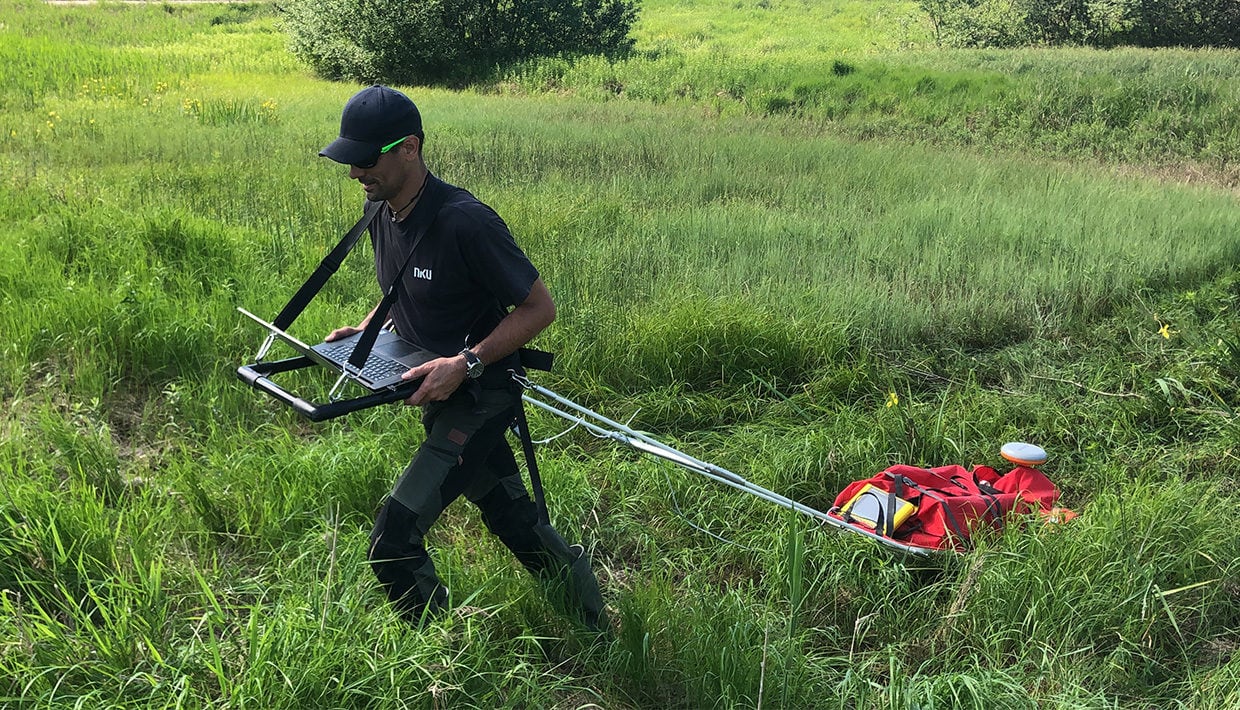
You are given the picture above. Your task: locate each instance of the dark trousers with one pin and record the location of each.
(465, 452)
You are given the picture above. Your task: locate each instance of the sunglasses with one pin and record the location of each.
(382, 151)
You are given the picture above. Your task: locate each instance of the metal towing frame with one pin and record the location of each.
(606, 428)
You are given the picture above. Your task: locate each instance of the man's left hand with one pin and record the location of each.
(442, 377)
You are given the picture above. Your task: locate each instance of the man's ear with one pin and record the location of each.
(412, 146)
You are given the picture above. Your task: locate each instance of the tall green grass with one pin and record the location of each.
(870, 71)
(798, 308)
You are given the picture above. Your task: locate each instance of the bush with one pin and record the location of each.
(1099, 23)
(977, 23)
(448, 41)
(1186, 23)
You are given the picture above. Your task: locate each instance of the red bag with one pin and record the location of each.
(950, 501)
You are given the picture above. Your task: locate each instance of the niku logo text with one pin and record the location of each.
(422, 273)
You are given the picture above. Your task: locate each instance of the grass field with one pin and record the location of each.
(801, 255)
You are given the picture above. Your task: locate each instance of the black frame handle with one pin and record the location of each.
(258, 376)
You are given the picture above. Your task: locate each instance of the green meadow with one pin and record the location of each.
(793, 239)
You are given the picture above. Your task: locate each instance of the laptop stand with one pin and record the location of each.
(258, 375)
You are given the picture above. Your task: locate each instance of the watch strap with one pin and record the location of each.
(473, 364)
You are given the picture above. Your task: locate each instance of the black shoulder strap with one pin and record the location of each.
(522, 426)
(329, 265)
(537, 360)
(366, 343)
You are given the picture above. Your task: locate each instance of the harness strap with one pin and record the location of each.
(522, 427)
(331, 264)
(887, 516)
(366, 343)
(994, 509)
(948, 516)
(537, 360)
(897, 491)
(327, 267)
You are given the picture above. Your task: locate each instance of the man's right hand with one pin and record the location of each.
(343, 332)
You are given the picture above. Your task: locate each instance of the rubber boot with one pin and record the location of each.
(571, 582)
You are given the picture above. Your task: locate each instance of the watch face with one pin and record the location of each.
(473, 365)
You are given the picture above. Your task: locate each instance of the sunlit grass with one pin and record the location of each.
(802, 309)
(784, 29)
(869, 70)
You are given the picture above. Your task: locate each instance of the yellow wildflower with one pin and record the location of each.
(892, 400)
(1165, 331)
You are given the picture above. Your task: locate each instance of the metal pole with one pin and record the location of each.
(623, 434)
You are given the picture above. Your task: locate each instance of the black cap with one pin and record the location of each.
(373, 118)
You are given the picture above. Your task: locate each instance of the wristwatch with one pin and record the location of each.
(473, 364)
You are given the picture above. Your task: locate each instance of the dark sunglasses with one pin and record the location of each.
(382, 151)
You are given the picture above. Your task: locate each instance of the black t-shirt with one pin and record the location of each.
(465, 275)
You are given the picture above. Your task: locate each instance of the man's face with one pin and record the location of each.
(384, 179)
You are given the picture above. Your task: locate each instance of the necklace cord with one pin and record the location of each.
(416, 195)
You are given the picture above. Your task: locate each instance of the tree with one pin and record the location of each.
(448, 41)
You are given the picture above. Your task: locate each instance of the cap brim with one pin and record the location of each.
(351, 152)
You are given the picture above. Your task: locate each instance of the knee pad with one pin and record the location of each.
(400, 562)
(505, 515)
(395, 534)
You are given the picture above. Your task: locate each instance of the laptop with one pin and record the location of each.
(391, 357)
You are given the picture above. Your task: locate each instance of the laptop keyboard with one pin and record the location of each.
(376, 368)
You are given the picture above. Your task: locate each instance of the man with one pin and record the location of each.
(470, 295)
